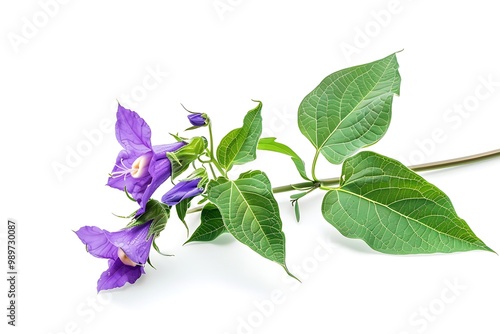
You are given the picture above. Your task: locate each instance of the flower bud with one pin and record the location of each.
(197, 119)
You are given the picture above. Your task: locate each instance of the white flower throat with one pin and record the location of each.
(138, 169)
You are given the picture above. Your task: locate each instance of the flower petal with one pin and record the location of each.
(160, 170)
(133, 241)
(96, 241)
(118, 274)
(132, 131)
(182, 190)
(161, 150)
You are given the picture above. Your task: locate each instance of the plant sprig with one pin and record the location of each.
(376, 198)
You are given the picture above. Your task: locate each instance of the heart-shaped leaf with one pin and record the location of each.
(270, 144)
(250, 213)
(211, 225)
(394, 210)
(350, 109)
(239, 146)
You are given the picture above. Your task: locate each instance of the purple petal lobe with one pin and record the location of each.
(118, 274)
(160, 169)
(132, 131)
(96, 241)
(133, 242)
(163, 149)
(182, 190)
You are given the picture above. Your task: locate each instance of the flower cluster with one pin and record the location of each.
(139, 170)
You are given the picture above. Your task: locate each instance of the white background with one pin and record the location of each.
(60, 81)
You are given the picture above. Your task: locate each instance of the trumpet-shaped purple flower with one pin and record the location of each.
(140, 167)
(197, 119)
(127, 251)
(182, 190)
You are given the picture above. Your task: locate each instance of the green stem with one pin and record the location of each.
(416, 168)
(212, 158)
(211, 138)
(212, 169)
(307, 184)
(456, 162)
(209, 162)
(313, 168)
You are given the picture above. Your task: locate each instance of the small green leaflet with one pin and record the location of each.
(350, 109)
(157, 212)
(296, 210)
(394, 210)
(270, 144)
(239, 146)
(250, 213)
(211, 225)
(181, 208)
(295, 202)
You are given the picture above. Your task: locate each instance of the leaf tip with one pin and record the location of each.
(290, 274)
(489, 249)
(151, 264)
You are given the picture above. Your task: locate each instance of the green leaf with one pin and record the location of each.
(270, 144)
(125, 217)
(298, 195)
(239, 146)
(183, 157)
(158, 213)
(177, 137)
(394, 210)
(211, 225)
(350, 109)
(199, 173)
(251, 214)
(203, 200)
(297, 210)
(151, 264)
(181, 210)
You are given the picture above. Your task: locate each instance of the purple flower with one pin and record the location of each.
(197, 119)
(140, 167)
(127, 251)
(182, 190)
